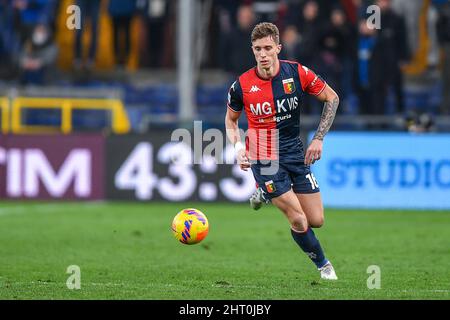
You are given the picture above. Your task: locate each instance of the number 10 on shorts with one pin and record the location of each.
(313, 181)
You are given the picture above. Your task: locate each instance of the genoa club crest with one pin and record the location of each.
(270, 186)
(289, 86)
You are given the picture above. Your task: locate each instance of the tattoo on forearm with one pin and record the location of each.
(327, 118)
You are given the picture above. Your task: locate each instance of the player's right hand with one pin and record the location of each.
(242, 160)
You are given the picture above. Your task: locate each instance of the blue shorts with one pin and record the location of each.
(297, 176)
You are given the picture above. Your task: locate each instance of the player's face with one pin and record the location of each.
(266, 52)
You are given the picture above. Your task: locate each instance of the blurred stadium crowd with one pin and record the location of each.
(402, 67)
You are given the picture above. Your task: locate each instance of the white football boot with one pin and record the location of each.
(327, 272)
(257, 199)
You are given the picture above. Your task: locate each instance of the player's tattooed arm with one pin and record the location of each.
(331, 100)
(327, 118)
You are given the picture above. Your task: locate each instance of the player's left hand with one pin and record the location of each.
(314, 152)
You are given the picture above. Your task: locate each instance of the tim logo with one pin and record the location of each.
(261, 109)
(29, 170)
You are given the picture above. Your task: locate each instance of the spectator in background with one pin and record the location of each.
(364, 79)
(241, 57)
(336, 46)
(309, 27)
(333, 42)
(391, 54)
(290, 40)
(266, 10)
(443, 29)
(156, 15)
(90, 11)
(226, 11)
(293, 12)
(410, 10)
(310, 30)
(38, 56)
(325, 8)
(31, 13)
(9, 41)
(122, 13)
(351, 8)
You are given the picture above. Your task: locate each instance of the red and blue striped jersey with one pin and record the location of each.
(273, 108)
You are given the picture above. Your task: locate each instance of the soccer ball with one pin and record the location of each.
(190, 226)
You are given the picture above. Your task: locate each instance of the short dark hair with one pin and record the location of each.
(266, 29)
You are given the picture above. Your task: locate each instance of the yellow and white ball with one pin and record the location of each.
(190, 226)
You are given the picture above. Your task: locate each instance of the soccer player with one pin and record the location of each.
(271, 96)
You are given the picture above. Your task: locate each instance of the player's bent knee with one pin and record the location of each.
(316, 218)
(299, 223)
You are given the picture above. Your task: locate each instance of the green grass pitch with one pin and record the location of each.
(127, 251)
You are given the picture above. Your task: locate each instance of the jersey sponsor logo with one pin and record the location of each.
(292, 104)
(289, 86)
(255, 89)
(282, 118)
(261, 109)
(283, 106)
(266, 120)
